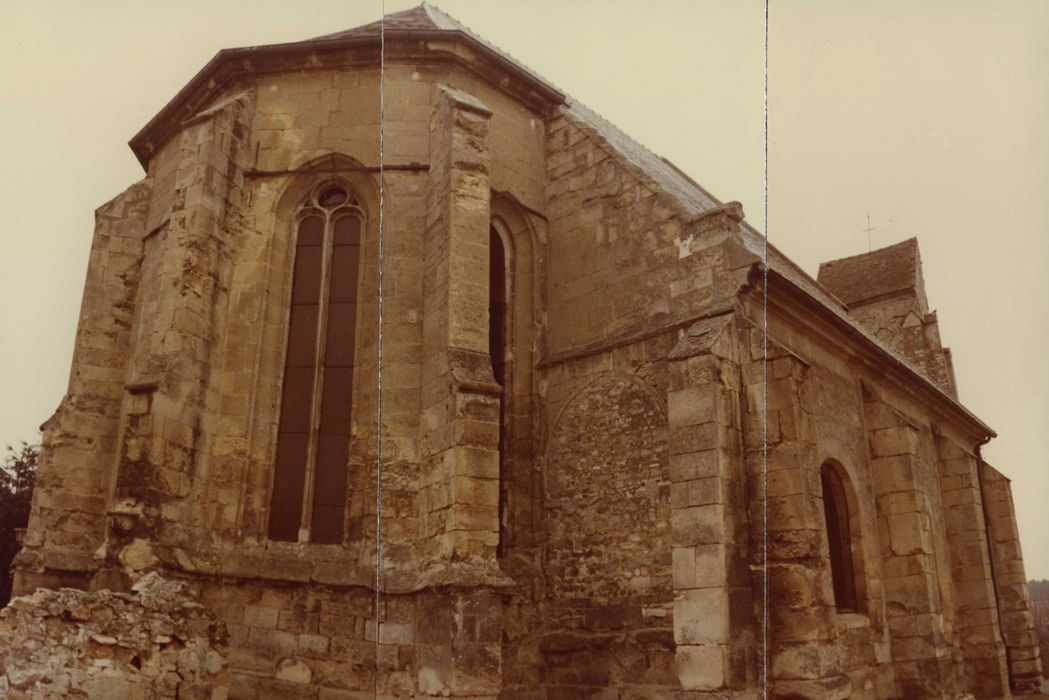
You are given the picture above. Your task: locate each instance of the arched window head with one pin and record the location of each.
(308, 501)
(839, 537)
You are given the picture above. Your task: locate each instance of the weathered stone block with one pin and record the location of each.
(698, 525)
(700, 667)
(701, 616)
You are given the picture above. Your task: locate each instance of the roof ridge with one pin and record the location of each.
(431, 9)
(912, 239)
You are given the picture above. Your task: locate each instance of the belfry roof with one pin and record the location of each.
(875, 274)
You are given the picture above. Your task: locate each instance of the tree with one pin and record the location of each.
(17, 475)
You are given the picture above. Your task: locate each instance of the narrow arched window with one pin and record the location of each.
(839, 537)
(308, 500)
(497, 332)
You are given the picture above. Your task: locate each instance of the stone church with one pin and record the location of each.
(602, 442)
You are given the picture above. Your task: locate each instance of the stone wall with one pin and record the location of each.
(1010, 583)
(637, 584)
(73, 481)
(597, 524)
(154, 643)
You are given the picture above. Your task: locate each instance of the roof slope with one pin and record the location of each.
(422, 18)
(427, 20)
(875, 274)
(692, 197)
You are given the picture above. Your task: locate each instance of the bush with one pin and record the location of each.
(17, 475)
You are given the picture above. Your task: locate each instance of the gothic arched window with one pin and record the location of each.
(308, 500)
(839, 537)
(497, 337)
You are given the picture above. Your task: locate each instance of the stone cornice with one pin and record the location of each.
(401, 46)
(798, 308)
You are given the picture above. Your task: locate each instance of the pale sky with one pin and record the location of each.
(932, 117)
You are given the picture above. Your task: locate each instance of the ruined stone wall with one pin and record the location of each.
(80, 442)
(154, 643)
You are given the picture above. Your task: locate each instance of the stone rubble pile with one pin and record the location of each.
(156, 642)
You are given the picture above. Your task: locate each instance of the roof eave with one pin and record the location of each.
(882, 357)
(200, 81)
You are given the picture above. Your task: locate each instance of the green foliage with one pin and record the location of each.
(17, 475)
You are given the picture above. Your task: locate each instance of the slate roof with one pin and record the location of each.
(666, 175)
(875, 274)
(428, 18)
(421, 18)
(898, 266)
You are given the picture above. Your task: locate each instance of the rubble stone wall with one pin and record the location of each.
(632, 574)
(156, 642)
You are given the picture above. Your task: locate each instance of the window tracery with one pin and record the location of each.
(308, 498)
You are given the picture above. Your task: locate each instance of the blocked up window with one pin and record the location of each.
(308, 499)
(839, 537)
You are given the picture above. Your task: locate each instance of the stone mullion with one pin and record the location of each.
(976, 612)
(910, 579)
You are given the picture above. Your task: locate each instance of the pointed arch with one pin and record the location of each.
(843, 537)
(309, 482)
(512, 303)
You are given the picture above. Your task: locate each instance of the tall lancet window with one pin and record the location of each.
(497, 332)
(308, 501)
(839, 538)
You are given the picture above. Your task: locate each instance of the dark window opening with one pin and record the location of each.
(313, 432)
(839, 538)
(497, 350)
